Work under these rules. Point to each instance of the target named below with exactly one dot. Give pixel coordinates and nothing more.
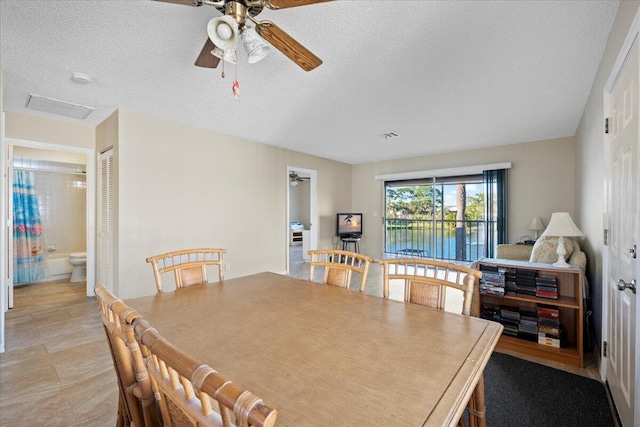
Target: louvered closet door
(105, 221)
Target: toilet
(79, 262)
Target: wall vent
(55, 106)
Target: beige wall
(41, 129)
(590, 164)
(541, 181)
(183, 187)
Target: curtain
(28, 258)
(496, 209)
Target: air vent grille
(55, 106)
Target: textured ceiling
(445, 75)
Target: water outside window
(444, 218)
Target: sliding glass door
(447, 218)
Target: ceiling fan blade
(184, 2)
(283, 4)
(288, 45)
(206, 59)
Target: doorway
(57, 161)
(301, 229)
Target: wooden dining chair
(425, 283)
(338, 266)
(189, 266)
(187, 390)
(137, 406)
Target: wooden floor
(57, 369)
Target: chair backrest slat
(426, 281)
(189, 266)
(137, 404)
(338, 266)
(185, 388)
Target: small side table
(346, 241)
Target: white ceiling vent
(54, 106)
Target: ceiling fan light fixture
(226, 55)
(223, 32)
(254, 45)
(294, 183)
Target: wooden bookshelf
(569, 303)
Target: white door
(621, 249)
(105, 220)
(9, 213)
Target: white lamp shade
(561, 224)
(536, 224)
(254, 45)
(224, 37)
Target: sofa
(544, 251)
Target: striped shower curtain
(28, 258)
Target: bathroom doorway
(64, 181)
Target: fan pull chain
(223, 74)
(235, 89)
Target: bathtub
(57, 267)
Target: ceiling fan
(294, 178)
(245, 10)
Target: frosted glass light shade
(227, 55)
(223, 32)
(254, 45)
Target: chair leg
(121, 421)
(476, 406)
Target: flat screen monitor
(349, 225)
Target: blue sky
(450, 193)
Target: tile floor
(57, 369)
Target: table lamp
(561, 225)
(536, 225)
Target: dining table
(327, 356)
